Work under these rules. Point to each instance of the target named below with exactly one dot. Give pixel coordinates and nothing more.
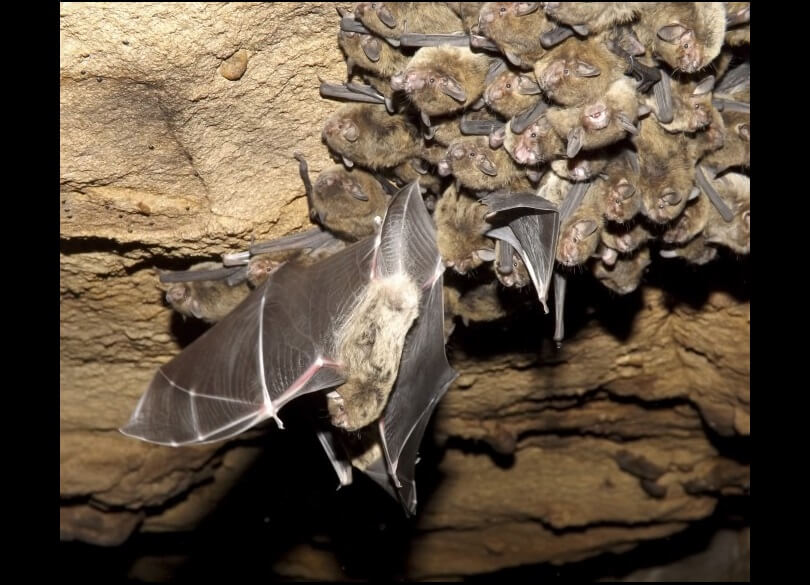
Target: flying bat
(365, 323)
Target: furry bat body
(584, 166)
(738, 23)
(511, 93)
(460, 231)
(476, 166)
(577, 73)
(479, 304)
(600, 123)
(695, 251)
(687, 36)
(625, 275)
(691, 106)
(735, 189)
(443, 80)
(625, 240)
(618, 189)
(209, 300)
(593, 17)
(515, 27)
(535, 145)
(349, 322)
(371, 54)
(580, 232)
(391, 20)
(369, 136)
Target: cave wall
(178, 124)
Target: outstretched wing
(275, 346)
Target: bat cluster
(516, 140)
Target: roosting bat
(461, 226)
(593, 17)
(203, 291)
(625, 275)
(366, 321)
(515, 27)
(476, 166)
(391, 20)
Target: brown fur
(460, 230)
(467, 12)
(580, 233)
(597, 16)
(406, 173)
(690, 223)
(741, 34)
(432, 68)
(626, 274)
(466, 157)
(709, 139)
(538, 143)
(736, 150)
(619, 191)
(695, 251)
(735, 189)
(381, 141)
(503, 95)
(412, 17)
(598, 121)
(478, 304)
(390, 60)
(208, 300)
(564, 73)
(339, 210)
(583, 167)
(519, 277)
(704, 24)
(369, 347)
(691, 112)
(516, 36)
(667, 174)
(625, 239)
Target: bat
(370, 53)
(391, 20)
(625, 239)
(600, 123)
(355, 131)
(690, 223)
(738, 23)
(626, 274)
(203, 292)
(478, 304)
(509, 268)
(535, 145)
(443, 80)
(510, 93)
(687, 36)
(476, 166)
(580, 230)
(460, 231)
(617, 188)
(691, 109)
(345, 202)
(577, 73)
(593, 17)
(515, 27)
(695, 251)
(735, 234)
(584, 166)
(366, 321)
(530, 226)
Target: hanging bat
(580, 231)
(203, 291)
(536, 145)
(735, 234)
(460, 231)
(690, 223)
(625, 239)
(356, 131)
(476, 166)
(626, 274)
(509, 268)
(687, 36)
(443, 80)
(617, 188)
(370, 53)
(366, 321)
(593, 17)
(691, 106)
(515, 27)
(696, 251)
(530, 225)
(479, 304)
(577, 73)
(345, 202)
(391, 20)
(510, 93)
(600, 123)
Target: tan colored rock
(178, 123)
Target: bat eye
(697, 106)
(534, 134)
(502, 10)
(472, 155)
(432, 80)
(508, 86)
(566, 72)
(374, 6)
(686, 45)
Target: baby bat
(735, 189)
(460, 231)
(691, 106)
(695, 251)
(600, 123)
(515, 27)
(617, 188)
(210, 299)
(580, 232)
(593, 17)
(369, 136)
(687, 36)
(371, 54)
(535, 145)
(390, 20)
(347, 322)
(667, 175)
(625, 240)
(443, 80)
(476, 166)
(342, 201)
(625, 275)
(577, 73)
(511, 93)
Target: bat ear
(497, 137)
(350, 132)
(625, 191)
(452, 88)
(486, 254)
(357, 192)
(671, 198)
(574, 142)
(705, 86)
(385, 16)
(444, 168)
(483, 164)
(746, 217)
(694, 193)
(643, 110)
(371, 47)
(527, 86)
(745, 132)
(671, 32)
(524, 8)
(585, 69)
(632, 45)
(585, 227)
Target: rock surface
(178, 124)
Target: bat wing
(713, 195)
(272, 348)
(434, 40)
(663, 98)
(352, 92)
(559, 307)
(424, 377)
(528, 117)
(342, 467)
